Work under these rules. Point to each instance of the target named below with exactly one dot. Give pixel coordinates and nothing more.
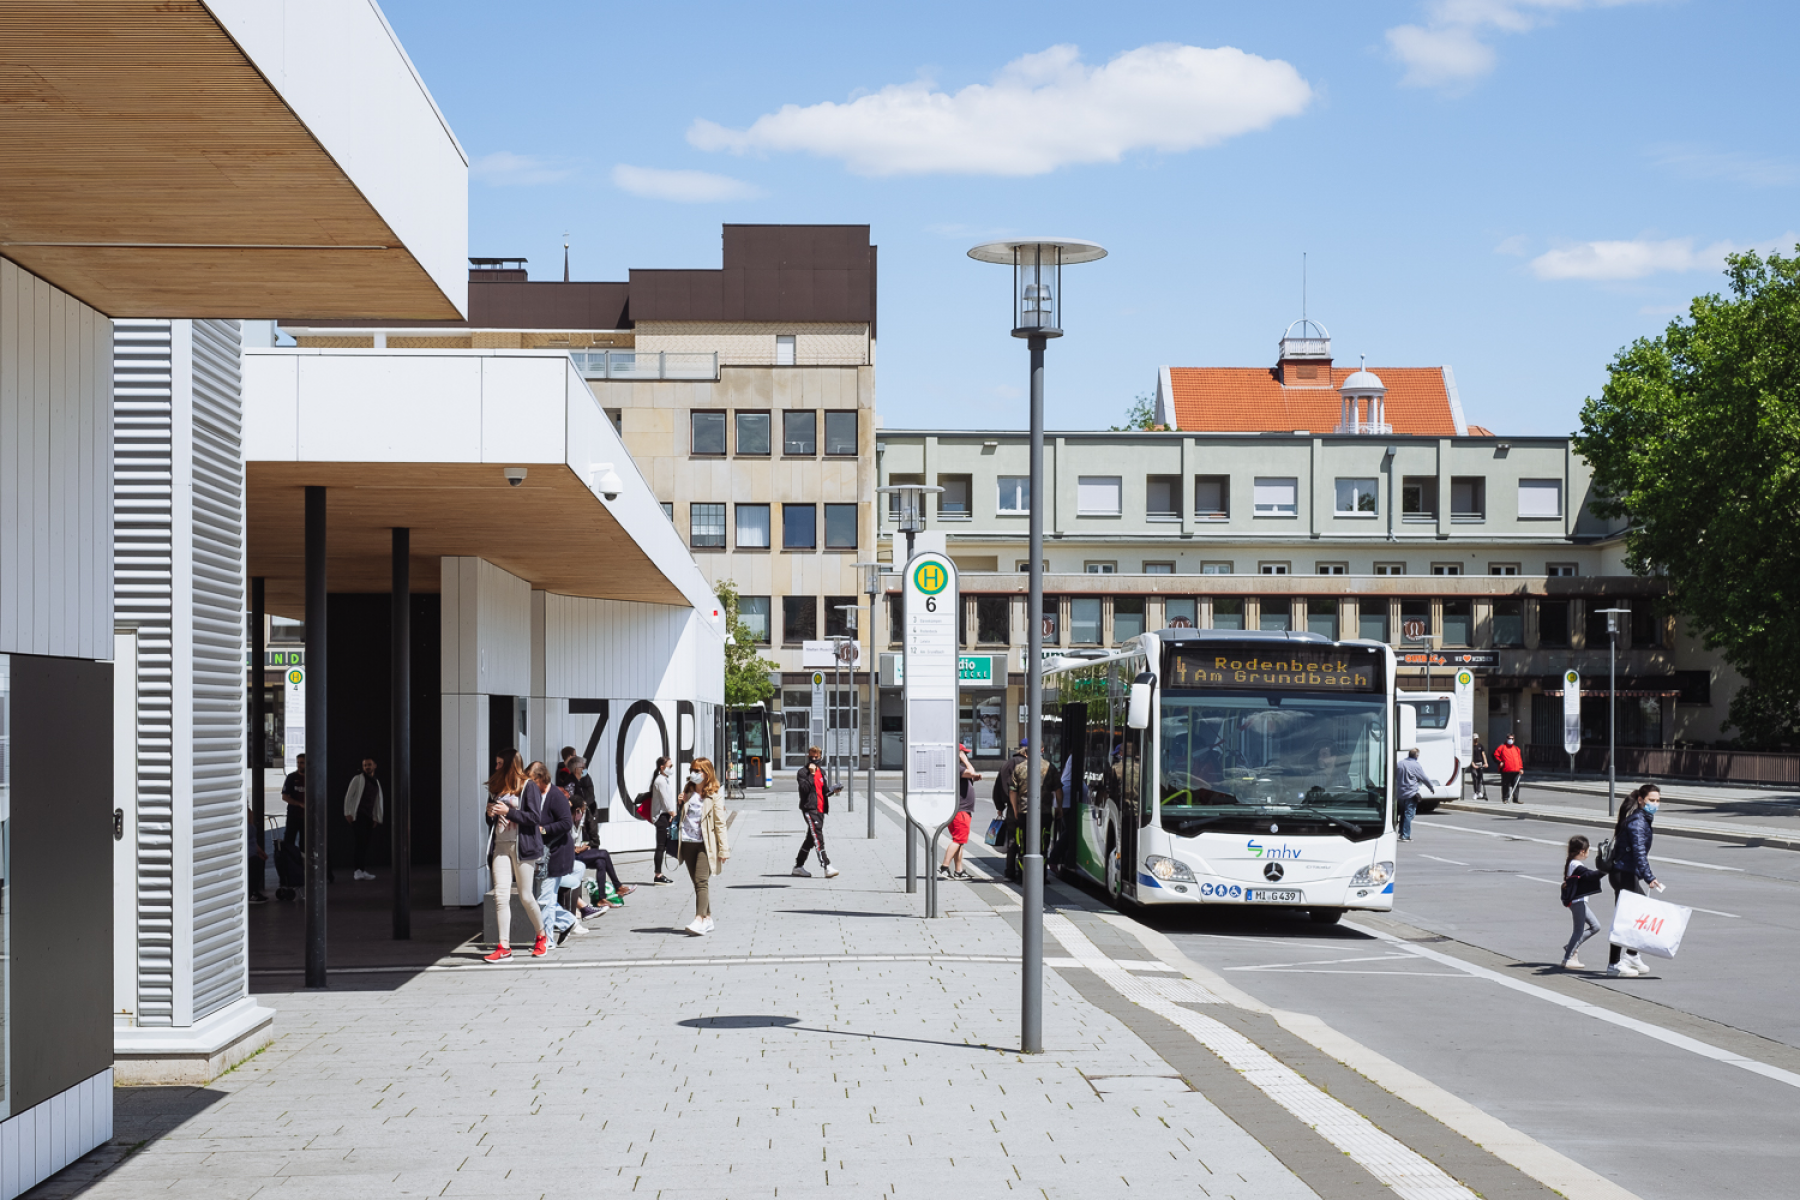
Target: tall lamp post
(909, 518)
(1037, 265)
(871, 588)
(1612, 705)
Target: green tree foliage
(1141, 414)
(1696, 441)
(746, 672)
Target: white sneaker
(801, 873)
(696, 927)
(359, 873)
(1572, 963)
(709, 924)
(1638, 965)
(577, 927)
(831, 872)
(1622, 969)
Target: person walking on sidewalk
(1409, 781)
(1630, 866)
(1478, 768)
(1579, 882)
(1512, 766)
(556, 824)
(960, 820)
(815, 802)
(701, 843)
(662, 809)
(514, 846)
(362, 808)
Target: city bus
(1436, 740)
(1221, 767)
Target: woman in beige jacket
(700, 838)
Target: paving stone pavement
(634, 1061)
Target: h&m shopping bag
(1653, 926)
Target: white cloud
(684, 187)
(1697, 162)
(1448, 52)
(1041, 112)
(1515, 246)
(1617, 260)
(503, 168)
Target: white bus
(1231, 768)
(1435, 713)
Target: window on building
(993, 620)
(1276, 496)
(799, 433)
(1509, 622)
(953, 501)
(1459, 623)
(799, 527)
(709, 433)
(1097, 495)
(1162, 497)
(893, 498)
(1446, 568)
(1390, 568)
(896, 608)
(1336, 568)
(1274, 614)
(1050, 632)
(752, 527)
(1212, 497)
(840, 433)
(1646, 623)
(1356, 497)
(1468, 498)
(1372, 618)
(1100, 568)
(1418, 497)
(1272, 568)
(1415, 619)
(799, 619)
(1228, 612)
(837, 616)
(617, 417)
(1084, 620)
(1159, 568)
(1503, 568)
(1215, 568)
(1181, 612)
(784, 349)
(1015, 494)
(706, 526)
(1128, 618)
(1540, 499)
(840, 526)
(753, 611)
(1322, 617)
(1553, 623)
(1561, 570)
(668, 510)
(1024, 564)
(753, 433)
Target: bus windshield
(1238, 761)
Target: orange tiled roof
(1252, 400)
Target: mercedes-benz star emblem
(1272, 872)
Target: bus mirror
(1138, 715)
(1409, 729)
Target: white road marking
(1408, 1173)
(1679, 1040)
(1321, 962)
(1339, 971)
(1519, 837)
(1540, 879)
(1451, 861)
(1715, 912)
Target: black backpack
(1603, 855)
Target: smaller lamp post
(1612, 705)
(872, 588)
(910, 520)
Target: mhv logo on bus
(1258, 850)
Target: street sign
(1465, 715)
(971, 669)
(820, 653)
(931, 683)
(1415, 629)
(1571, 711)
(816, 731)
(1475, 660)
(293, 725)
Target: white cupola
(1364, 403)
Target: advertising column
(930, 696)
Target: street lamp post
(1612, 705)
(910, 520)
(871, 587)
(1037, 265)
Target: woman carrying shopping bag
(1628, 868)
(700, 841)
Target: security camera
(515, 475)
(606, 481)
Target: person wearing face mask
(815, 802)
(1512, 769)
(1630, 866)
(700, 840)
(662, 811)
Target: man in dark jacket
(815, 802)
(556, 825)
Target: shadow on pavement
(141, 1115)
(359, 933)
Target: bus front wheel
(1326, 916)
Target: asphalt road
(1462, 986)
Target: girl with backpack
(1579, 882)
(1628, 866)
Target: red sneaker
(541, 947)
(500, 954)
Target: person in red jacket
(815, 802)
(1512, 766)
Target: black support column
(258, 745)
(318, 832)
(400, 687)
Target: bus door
(1069, 753)
(1130, 773)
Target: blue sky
(1516, 188)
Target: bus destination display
(1261, 669)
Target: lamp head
(1037, 265)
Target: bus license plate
(1275, 896)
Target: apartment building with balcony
(1349, 503)
(744, 393)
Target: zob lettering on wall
(621, 740)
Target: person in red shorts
(959, 822)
